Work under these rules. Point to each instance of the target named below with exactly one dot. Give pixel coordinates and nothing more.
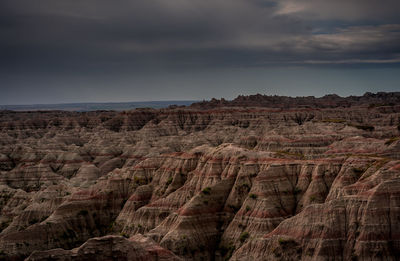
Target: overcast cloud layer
(77, 42)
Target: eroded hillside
(228, 183)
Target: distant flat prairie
(114, 106)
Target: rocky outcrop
(380, 99)
(358, 224)
(195, 184)
(136, 248)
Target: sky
(60, 51)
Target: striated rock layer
(200, 183)
(136, 248)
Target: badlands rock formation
(216, 181)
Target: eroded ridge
(221, 183)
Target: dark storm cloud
(102, 50)
(90, 35)
(345, 10)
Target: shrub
(358, 171)
(227, 251)
(246, 186)
(245, 235)
(391, 140)
(169, 181)
(300, 118)
(139, 180)
(297, 190)
(234, 208)
(124, 234)
(111, 226)
(365, 127)
(285, 242)
(206, 191)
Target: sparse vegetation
(285, 242)
(300, 118)
(169, 181)
(253, 196)
(227, 251)
(111, 226)
(139, 180)
(297, 191)
(244, 236)
(234, 208)
(391, 140)
(363, 127)
(206, 191)
(124, 234)
(358, 171)
(246, 186)
(213, 192)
